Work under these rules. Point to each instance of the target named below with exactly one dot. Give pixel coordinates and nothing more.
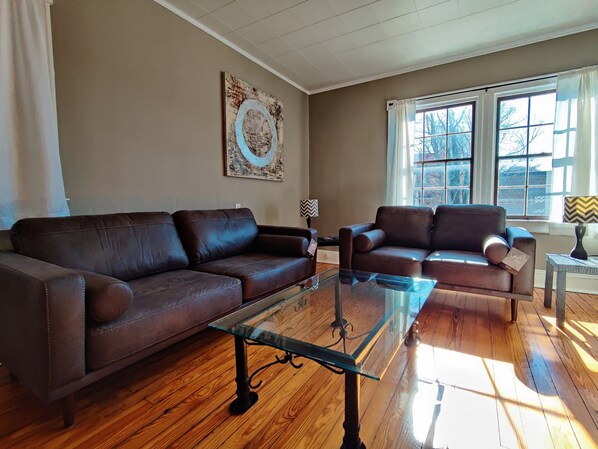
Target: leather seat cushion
(397, 260)
(164, 305)
(261, 274)
(466, 268)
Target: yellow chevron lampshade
(581, 209)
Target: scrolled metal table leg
(413, 336)
(245, 397)
(351, 439)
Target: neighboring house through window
(488, 146)
(525, 128)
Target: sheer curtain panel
(575, 150)
(31, 181)
(401, 128)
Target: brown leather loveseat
(462, 247)
(84, 296)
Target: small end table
(563, 264)
(329, 240)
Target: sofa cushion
(106, 298)
(495, 249)
(400, 261)
(405, 225)
(466, 268)
(284, 245)
(465, 227)
(214, 234)
(369, 240)
(164, 305)
(123, 246)
(261, 274)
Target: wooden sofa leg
(68, 410)
(514, 304)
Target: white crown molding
(228, 43)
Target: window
(489, 146)
(443, 155)
(525, 125)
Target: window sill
(533, 226)
(543, 227)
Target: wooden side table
(563, 264)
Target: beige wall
(140, 114)
(348, 126)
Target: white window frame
(484, 151)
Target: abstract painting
(253, 132)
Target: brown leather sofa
(461, 247)
(85, 296)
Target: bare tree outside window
(442, 155)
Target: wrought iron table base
(413, 336)
(246, 398)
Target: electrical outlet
(237, 205)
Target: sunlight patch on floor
(461, 397)
(574, 332)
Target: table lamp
(309, 209)
(580, 210)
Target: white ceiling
(319, 45)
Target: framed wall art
(253, 132)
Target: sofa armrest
(283, 245)
(346, 236)
(523, 240)
(308, 233)
(42, 323)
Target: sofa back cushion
(465, 227)
(215, 234)
(405, 225)
(123, 246)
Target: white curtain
(401, 128)
(30, 173)
(575, 150)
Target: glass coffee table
(350, 322)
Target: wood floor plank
(476, 380)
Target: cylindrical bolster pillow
(284, 245)
(106, 298)
(495, 249)
(369, 240)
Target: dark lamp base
(579, 252)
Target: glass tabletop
(352, 320)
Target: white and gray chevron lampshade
(309, 208)
(581, 209)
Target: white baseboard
(575, 282)
(328, 257)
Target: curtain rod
(391, 103)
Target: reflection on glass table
(350, 322)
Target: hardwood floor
(476, 381)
